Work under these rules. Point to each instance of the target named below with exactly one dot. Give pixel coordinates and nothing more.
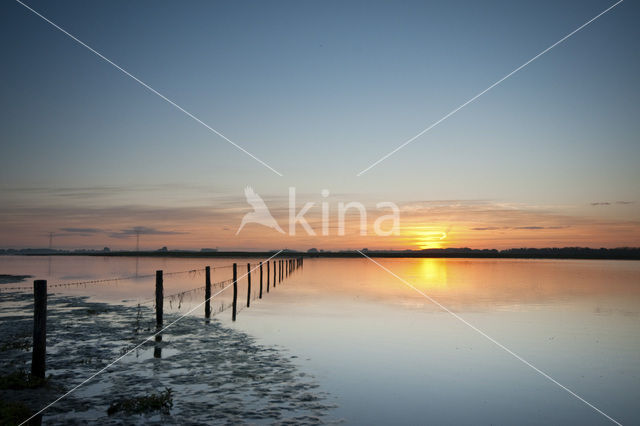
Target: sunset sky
(319, 91)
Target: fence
(282, 268)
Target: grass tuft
(13, 413)
(16, 343)
(21, 380)
(162, 401)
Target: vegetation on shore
(622, 253)
(13, 413)
(162, 402)
(20, 379)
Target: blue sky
(320, 90)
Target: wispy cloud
(473, 223)
(608, 203)
(540, 227)
(82, 230)
(143, 230)
(531, 227)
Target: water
(386, 354)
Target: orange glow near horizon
(416, 232)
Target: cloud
(203, 220)
(540, 227)
(142, 230)
(608, 203)
(82, 230)
(532, 227)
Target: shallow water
(386, 354)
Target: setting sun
(428, 237)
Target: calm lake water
(387, 355)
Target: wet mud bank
(217, 375)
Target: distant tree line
(626, 253)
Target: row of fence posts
(281, 270)
(38, 355)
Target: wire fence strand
(115, 279)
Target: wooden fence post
(39, 354)
(159, 299)
(248, 284)
(235, 292)
(274, 274)
(268, 275)
(260, 295)
(207, 292)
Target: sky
(319, 91)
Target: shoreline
(546, 253)
(217, 373)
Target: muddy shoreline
(217, 375)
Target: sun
(429, 237)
